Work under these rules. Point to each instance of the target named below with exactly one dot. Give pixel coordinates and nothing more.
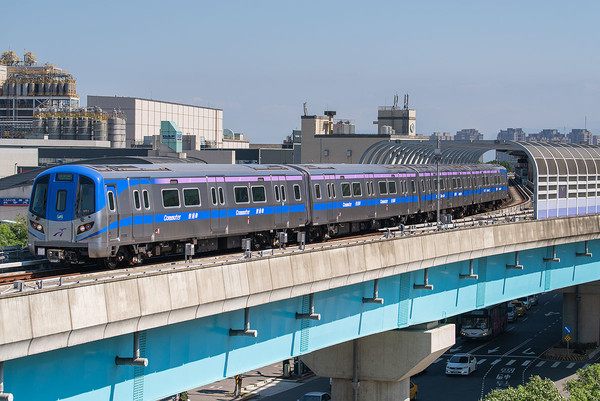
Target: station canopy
(565, 178)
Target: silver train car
(125, 213)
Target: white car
(315, 396)
(461, 364)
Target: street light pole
(438, 157)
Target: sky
(465, 64)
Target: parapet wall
(48, 319)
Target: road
(507, 360)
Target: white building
(201, 127)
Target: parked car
(533, 299)
(520, 307)
(413, 391)
(315, 396)
(527, 302)
(511, 312)
(461, 364)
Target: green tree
(536, 389)
(586, 386)
(14, 233)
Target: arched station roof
(565, 177)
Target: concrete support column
(581, 311)
(379, 367)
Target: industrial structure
(28, 86)
(79, 123)
(201, 127)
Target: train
(121, 214)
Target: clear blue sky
(466, 64)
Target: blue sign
(567, 329)
(14, 201)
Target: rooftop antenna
(395, 101)
(406, 102)
(305, 111)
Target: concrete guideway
(55, 318)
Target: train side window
(392, 187)
(213, 196)
(170, 198)
(191, 197)
(61, 200)
(382, 188)
(258, 194)
(136, 199)
(241, 195)
(318, 191)
(422, 185)
(356, 189)
(283, 197)
(276, 191)
(413, 187)
(372, 188)
(221, 196)
(454, 186)
(329, 191)
(333, 189)
(345, 189)
(442, 185)
(146, 199)
(297, 192)
(111, 200)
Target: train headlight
(85, 227)
(37, 226)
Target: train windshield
(39, 196)
(86, 197)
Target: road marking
(528, 352)
(540, 364)
(527, 362)
(437, 360)
(525, 318)
(555, 364)
(511, 362)
(546, 303)
(477, 348)
(496, 361)
(481, 361)
(569, 366)
(510, 328)
(457, 348)
(586, 365)
(491, 351)
(518, 346)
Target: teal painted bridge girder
(186, 355)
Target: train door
(218, 210)
(280, 201)
(330, 195)
(371, 204)
(113, 213)
(61, 211)
(142, 221)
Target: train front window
(39, 197)
(86, 197)
(61, 200)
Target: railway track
(31, 279)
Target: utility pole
(438, 158)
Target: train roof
(195, 169)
